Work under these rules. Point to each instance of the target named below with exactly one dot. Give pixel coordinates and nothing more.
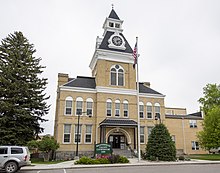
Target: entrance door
(117, 141)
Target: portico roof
(118, 122)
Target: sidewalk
(133, 162)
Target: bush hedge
(111, 160)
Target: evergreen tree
(22, 98)
(160, 145)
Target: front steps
(126, 153)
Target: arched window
(157, 110)
(109, 107)
(68, 106)
(117, 108)
(149, 110)
(79, 105)
(125, 106)
(141, 109)
(89, 106)
(117, 75)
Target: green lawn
(41, 161)
(205, 156)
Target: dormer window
(111, 24)
(117, 75)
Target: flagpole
(137, 83)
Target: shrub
(103, 161)
(181, 158)
(152, 158)
(123, 159)
(114, 158)
(84, 160)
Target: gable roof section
(145, 89)
(113, 15)
(104, 44)
(82, 82)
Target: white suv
(12, 158)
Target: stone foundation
(69, 155)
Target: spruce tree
(160, 145)
(22, 97)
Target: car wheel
(11, 167)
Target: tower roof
(113, 15)
(104, 43)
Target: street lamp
(79, 113)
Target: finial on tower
(112, 6)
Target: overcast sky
(179, 41)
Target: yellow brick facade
(100, 89)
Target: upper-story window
(68, 105)
(79, 105)
(192, 123)
(157, 110)
(141, 110)
(125, 106)
(117, 75)
(117, 25)
(111, 24)
(117, 108)
(149, 111)
(89, 106)
(109, 107)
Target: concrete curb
(142, 163)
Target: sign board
(103, 148)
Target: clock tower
(112, 62)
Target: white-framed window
(149, 110)
(68, 105)
(80, 132)
(142, 136)
(88, 134)
(141, 110)
(149, 129)
(79, 105)
(173, 138)
(67, 133)
(195, 145)
(109, 107)
(89, 106)
(192, 123)
(157, 110)
(125, 106)
(117, 75)
(117, 108)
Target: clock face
(117, 41)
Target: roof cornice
(111, 56)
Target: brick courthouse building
(109, 102)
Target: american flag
(135, 55)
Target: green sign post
(103, 149)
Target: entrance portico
(120, 133)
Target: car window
(16, 151)
(3, 150)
